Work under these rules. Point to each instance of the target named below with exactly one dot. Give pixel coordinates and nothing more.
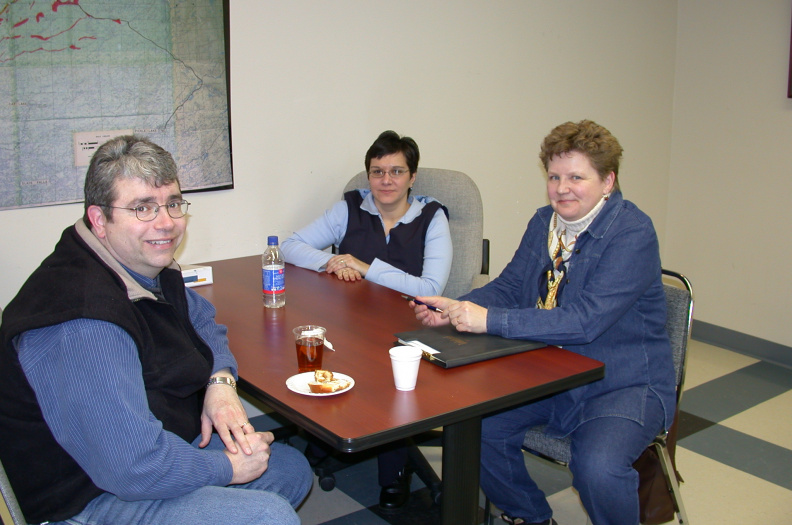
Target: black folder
(459, 348)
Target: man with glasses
(113, 375)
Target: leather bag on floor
(657, 506)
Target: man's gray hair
(126, 156)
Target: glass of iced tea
(310, 347)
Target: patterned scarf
(561, 239)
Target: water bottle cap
(272, 239)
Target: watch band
(222, 381)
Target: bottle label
(272, 278)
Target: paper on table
(418, 344)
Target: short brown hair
(589, 138)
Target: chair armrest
(485, 254)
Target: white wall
(477, 84)
(729, 212)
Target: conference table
(361, 319)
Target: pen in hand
(416, 301)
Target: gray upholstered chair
(10, 513)
(457, 192)
(679, 306)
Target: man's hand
(248, 467)
(223, 410)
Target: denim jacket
(612, 309)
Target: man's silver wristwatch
(221, 380)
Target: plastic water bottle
(272, 275)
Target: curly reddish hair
(589, 138)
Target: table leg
(461, 453)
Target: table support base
(461, 457)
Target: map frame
(177, 92)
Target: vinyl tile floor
(734, 453)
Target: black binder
(459, 348)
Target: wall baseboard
(742, 343)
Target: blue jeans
(603, 451)
(269, 500)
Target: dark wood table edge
(461, 440)
(423, 425)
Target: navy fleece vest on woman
(73, 283)
(365, 236)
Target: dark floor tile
(743, 452)
(356, 474)
(740, 390)
(360, 517)
(780, 376)
(359, 481)
(419, 510)
(690, 424)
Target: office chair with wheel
(469, 269)
(679, 317)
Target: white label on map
(86, 142)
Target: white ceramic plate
(299, 383)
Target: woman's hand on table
(430, 317)
(462, 315)
(467, 317)
(347, 267)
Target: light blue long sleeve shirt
(89, 384)
(305, 248)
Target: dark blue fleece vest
(365, 236)
(73, 283)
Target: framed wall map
(789, 82)
(74, 73)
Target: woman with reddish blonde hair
(587, 277)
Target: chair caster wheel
(327, 482)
